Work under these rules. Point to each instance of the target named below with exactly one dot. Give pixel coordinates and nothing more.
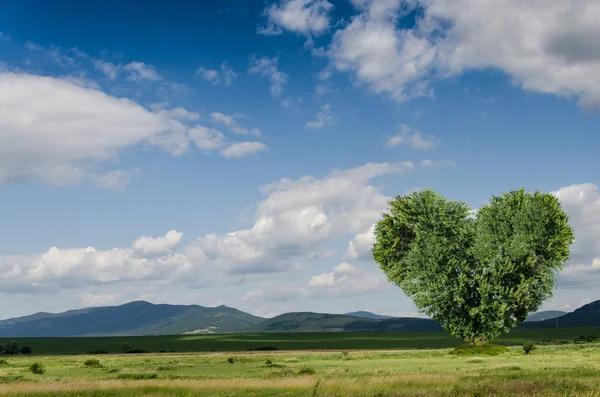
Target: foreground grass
(285, 341)
(569, 370)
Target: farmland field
(561, 370)
(284, 341)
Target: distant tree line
(13, 348)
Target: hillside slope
(586, 316)
(321, 322)
(134, 318)
(364, 314)
(545, 315)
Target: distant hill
(546, 315)
(321, 322)
(134, 318)
(586, 316)
(363, 314)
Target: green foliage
(25, 350)
(37, 368)
(478, 276)
(306, 371)
(268, 362)
(3, 363)
(230, 360)
(125, 347)
(132, 376)
(10, 348)
(479, 350)
(92, 362)
(528, 347)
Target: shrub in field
(137, 376)
(125, 347)
(25, 350)
(528, 347)
(3, 363)
(268, 362)
(231, 360)
(266, 348)
(37, 368)
(479, 350)
(137, 351)
(306, 371)
(92, 362)
(477, 274)
(9, 348)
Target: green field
(565, 370)
(285, 341)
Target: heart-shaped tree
(477, 274)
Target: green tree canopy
(477, 274)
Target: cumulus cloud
(298, 216)
(243, 149)
(209, 75)
(306, 17)
(412, 139)
(72, 268)
(114, 180)
(359, 248)
(108, 68)
(582, 204)
(343, 281)
(214, 76)
(59, 140)
(207, 138)
(234, 126)
(140, 71)
(548, 48)
(324, 119)
(267, 68)
(149, 247)
(435, 163)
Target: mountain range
(144, 318)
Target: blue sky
(232, 152)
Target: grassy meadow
(284, 341)
(557, 370)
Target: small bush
(92, 362)
(3, 363)
(37, 368)
(479, 350)
(268, 362)
(306, 371)
(98, 352)
(231, 360)
(10, 348)
(137, 376)
(125, 347)
(25, 350)
(528, 347)
(345, 356)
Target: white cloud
(108, 68)
(209, 75)
(76, 268)
(141, 71)
(361, 245)
(114, 180)
(234, 126)
(582, 204)
(544, 46)
(306, 17)
(53, 54)
(214, 76)
(435, 163)
(321, 89)
(228, 74)
(55, 130)
(31, 46)
(412, 139)
(267, 67)
(324, 119)
(149, 247)
(347, 280)
(243, 149)
(207, 138)
(297, 217)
